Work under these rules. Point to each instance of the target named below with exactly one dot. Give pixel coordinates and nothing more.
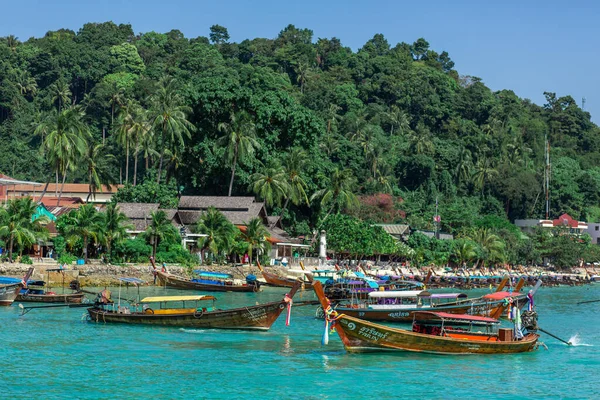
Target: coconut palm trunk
(44, 191)
(10, 247)
(85, 248)
(135, 162)
(62, 186)
(127, 162)
(233, 170)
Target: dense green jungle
(329, 137)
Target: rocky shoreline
(98, 274)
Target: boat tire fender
(198, 313)
(149, 311)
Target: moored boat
(401, 306)
(206, 285)
(10, 287)
(438, 333)
(276, 280)
(192, 314)
(38, 291)
(206, 281)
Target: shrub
(26, 259)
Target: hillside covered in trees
(305, 123)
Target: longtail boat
(401, 306)
(192, 314)
(10, 287)
(35, 292)
(206, 281)
(438, 333)
(276, 280)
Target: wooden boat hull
(276, 280)
(179, 282)
(259, 317)
(362, 336)
(8, 293)
(75, 298)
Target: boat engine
(529, 320)
(251, 280)
(75, 285)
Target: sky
(528, 46)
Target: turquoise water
(55, 354)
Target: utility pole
(547, 175)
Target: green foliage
(67, 259)
(209, 113)
(25, 259)
(149, 192)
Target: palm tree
(270, 184)
(114, 226)
(239, 140)
(17, 224)
(397, 118)
(294, 164)
(169, 118)
(61, 94)
(25, 82)
(98, 167)
(219, 232)
(117, 97)
(159, 229)
(302, 71)
(463, 166)
(464, 251)
(483, 171)
(491, 245)
(65, 141)
(133, 126)
(85, 223)
(12, 42)
(420, 141)
(332, 116)
(338, 194)
(255, 236)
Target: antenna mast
(547, 175)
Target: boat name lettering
(399, 314)
(371, 333)
(255, 315)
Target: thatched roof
(238, 210)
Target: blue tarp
(216, 275)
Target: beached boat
(276, 280)
(37, 292)
(191, 314)
(10, 287)
(207, 282)
(433, 332)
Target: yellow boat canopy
(161, 299)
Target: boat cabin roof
(400, 294)
(424, 316)
(162, 299)
(501, 295)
